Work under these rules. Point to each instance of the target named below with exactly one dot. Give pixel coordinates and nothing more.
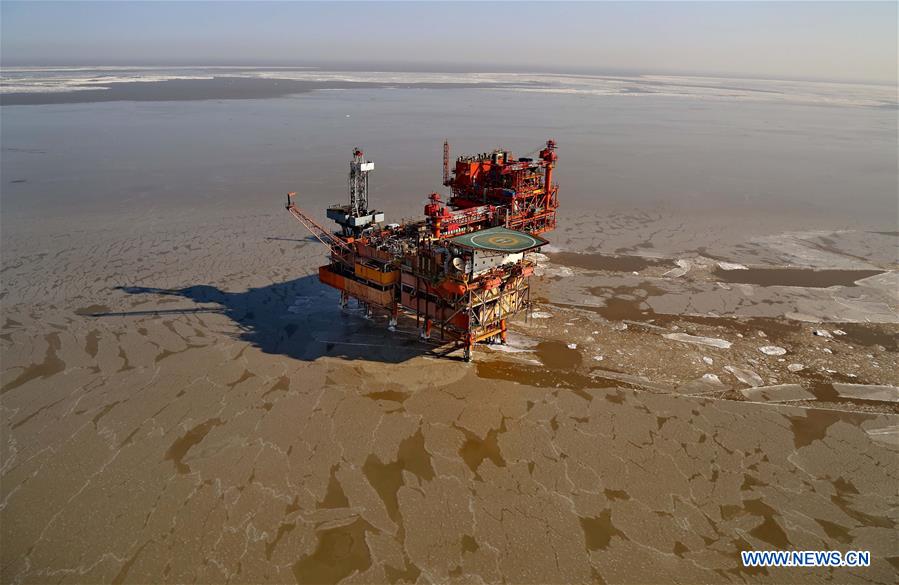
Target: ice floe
(748, 377)
(871, 392)
(731, 266)
(687, 338)
(683, 267)
(772, 350)
(778, 393)
(888, 434)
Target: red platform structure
(464, 269)
(522, 187)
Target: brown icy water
(182, 401)
(213, 432)
(794, 277)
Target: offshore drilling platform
(463, 270)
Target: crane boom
(321, 234)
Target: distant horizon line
(443, 67)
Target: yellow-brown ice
(190, 406)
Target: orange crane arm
(321, 234)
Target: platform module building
(463, 270)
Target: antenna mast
(446, 179)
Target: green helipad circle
(503, 241)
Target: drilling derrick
(461, 272)
(356, 217)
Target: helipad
(499, 239)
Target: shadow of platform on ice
(299, 318)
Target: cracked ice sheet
(871, 301)
(168, 448)
(566, 488)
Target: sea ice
(868, 392)
(746, 376)
(772, 350)
(683, 267)
(779, 393)
(889, 434)
(687, 338)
